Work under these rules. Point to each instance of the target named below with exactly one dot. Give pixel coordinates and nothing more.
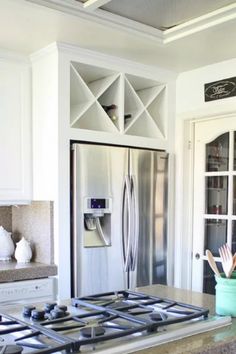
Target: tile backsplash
(6, 218)
(35, 223)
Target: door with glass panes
(214, 193)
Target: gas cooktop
(124, 321)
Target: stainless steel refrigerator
(119, 217)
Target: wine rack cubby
(109, 101)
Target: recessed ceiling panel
(163, 14)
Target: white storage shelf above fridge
(105, 100)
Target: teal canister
(226, 295)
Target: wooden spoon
(212, 263)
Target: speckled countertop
(218, 341)
(12, 271)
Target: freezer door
(98, 264)
(148, 175)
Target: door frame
(184, 235)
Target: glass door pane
(217, 195)
(215, 235)
(217, 154)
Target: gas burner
(90, 332)
(11, 349)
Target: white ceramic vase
(6, 245)
(23, 252)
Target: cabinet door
(214, 217)
(15, 147)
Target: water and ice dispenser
(97, 222)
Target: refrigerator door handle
(126, 224)
(135, 212)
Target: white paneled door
(214, 196)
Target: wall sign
(220, 89)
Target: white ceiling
(27, 27)
(163, 14)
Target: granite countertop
(13, 271)
(222, 340)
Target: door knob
(197, 255)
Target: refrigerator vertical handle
(135, 212)
(126, 223)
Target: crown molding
(94, 4)
(83, 54)
(200, 23)
(103, 17)
(13, 57)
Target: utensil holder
(226, 295)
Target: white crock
(6, 245)
(23, 252)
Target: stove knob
(27, 310)
(60, 307)
(49, 306)
(57, 313)
(38, 314)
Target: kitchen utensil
(234, 261)
(212, 263)
(226, 260)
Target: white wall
(190, 90)
(190, 106)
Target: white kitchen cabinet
(28, 291)
(15, 146)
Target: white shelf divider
(147, 95)
(132, 103)
(81, 108)
(109, 97)
(157, 109)
(80, 96)
(101, 85)
(95, 119)
(145, 126)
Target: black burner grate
(98, 318)
(10, 325)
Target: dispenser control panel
(97, 204)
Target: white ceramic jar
(23, 252)
(6, 245)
